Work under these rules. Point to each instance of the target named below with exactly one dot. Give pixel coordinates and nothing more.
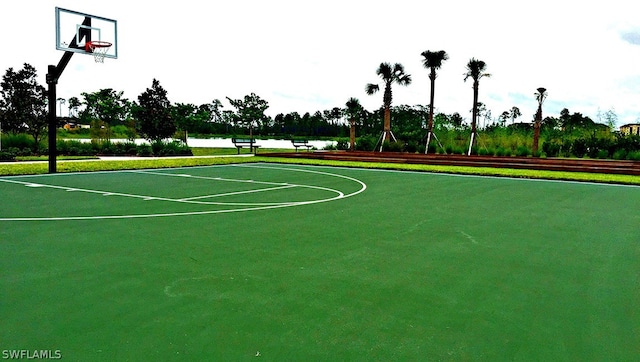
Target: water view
(227, 143)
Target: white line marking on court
(251, 206)
(285, 185)
(471, 238)
(363, 185)
(236, 193)
(207, 178)
(148, 198)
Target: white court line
(254, 182)
(244, 206)
(186, 201)
(103, 193)
(237, 193)
(362, 184)
(209, 178)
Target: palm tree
(515, 113)
(61, 101)
(475, 70)
(504, 116)
(74, 104)
(353, 112)
(541, 95)
(432, 61)
(389, 74)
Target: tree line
(23, 109)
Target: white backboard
(74, 29)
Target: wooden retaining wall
(554, 164)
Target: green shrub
(144, 150)
(342, 144)
(166, 150)
(628, 143)
(122, 148)
(449, 149)
(603, 154)
(620, 154)
(129, 148)
(634, 156)
(21, 141)
(392, 146)
(551, 149)
(108, 148)
(459, 151)
(62, 147)
(412, 147)
(75, 148)
(157, 147)
(579, 147)
(502, 152)
(365, 143)
(8, 155)
(523, 151)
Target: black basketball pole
(53, 74)
(52, 120)
(52, 80)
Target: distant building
(70, 126)
(630, 129)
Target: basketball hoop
(98, 49)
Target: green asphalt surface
(290, 262)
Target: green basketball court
(288, 262)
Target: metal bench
(301, 143)
(249, 143)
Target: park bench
(301, 143)
(245, 143)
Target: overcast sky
(306, 56)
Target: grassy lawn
(211, 151)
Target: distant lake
(226, 143)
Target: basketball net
(99, 49)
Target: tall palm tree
(432, 61)
(541, 95)
(389, 74)
(353, 112)
(515, 113)
(475, 70)
(61, 101)
(74, 104)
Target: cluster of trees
(24, 108)
(23, 103)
